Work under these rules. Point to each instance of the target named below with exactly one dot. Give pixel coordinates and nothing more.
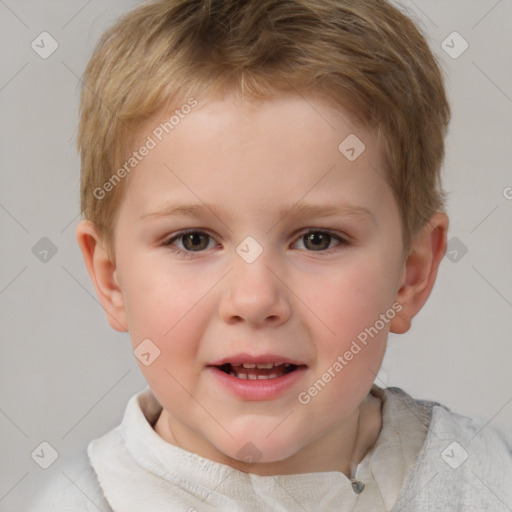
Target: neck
(353, 439)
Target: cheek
(172, 321)
(350, 304)
(353, 298)
(166, 308)
(159, 300)
(349, 360)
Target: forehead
(262, 153)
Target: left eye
(318, 240)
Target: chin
(258, 449)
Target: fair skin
(302, 299)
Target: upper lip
(237, 359)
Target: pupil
(193, 240)
(318, 240)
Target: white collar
(140, 471)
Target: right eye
(190, 241)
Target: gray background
(66, 376)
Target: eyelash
(189, 254)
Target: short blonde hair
(364, 55)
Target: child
(262, 201)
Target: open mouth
(260, 377)
(257, 371)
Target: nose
(254, 294)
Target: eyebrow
(328, 210)
(302, 210)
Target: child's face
(303, 299)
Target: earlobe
(102, 272)
(420, 271)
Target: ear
(102, 272)
(420, 271)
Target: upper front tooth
(249, 365)
(264, 365)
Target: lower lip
(258, 389)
